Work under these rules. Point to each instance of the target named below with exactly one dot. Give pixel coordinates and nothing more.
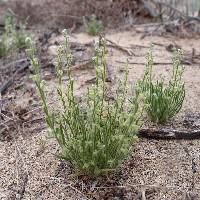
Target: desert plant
(93, 26)
(3, 46)
(163, 101)
(12, 37)
(19, 36)
(5, 40)
(96, 133)
(9, 21)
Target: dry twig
(169, 134)
(10, 81)
(117, 46)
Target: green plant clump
(163, 101)
(5, 39)
(3, 46)
(12, 37)
(93, 26)
(19, 36)
(95, 134)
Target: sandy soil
(170, 170)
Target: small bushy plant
(4, 39)
(163, 101)
(3, 46)
(12, 37)
(19, 36)
(93, 26)
(95, 134)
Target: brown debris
(169, 134)
(10, 81)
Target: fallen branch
(21, 191)
(82, 66)
(145, 186)
(63, 181)
(143, 63)
(13, 63)
(108, 74)
(172, 12)
(6, 85)
(168, 134)
(115, 45)
(10, 81)
(184, 62)
(181, 14)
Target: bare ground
(29, 168)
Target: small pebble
(18, 196)
(47, 76)
(11, 161)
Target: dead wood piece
(17, 62)
(168, 134)
(91, 80)
(152, 10)
(3, 130)
(5, 101)
(139, 46)
(152, 32)
(78, 47)
(108, 74)
(143, 63)
(129, 52)
(115, 45)
(21, 191)
(6, 85)
(10, 81)
(2, 25)
(183, 61)
(171, 47)
(175, 10)
(186, 62)
(190, 18)
(143, 195)
(82, 66)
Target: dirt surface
(155, 169)
(29, 167)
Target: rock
(11, 161)
(52, 50)
(47, 76)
